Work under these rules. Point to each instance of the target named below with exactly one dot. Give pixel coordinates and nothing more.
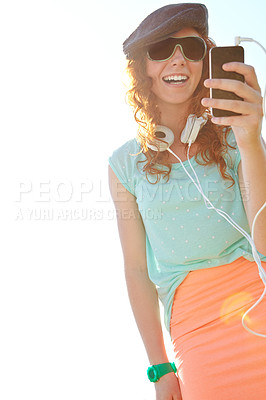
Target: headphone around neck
(188, 135)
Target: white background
(67, 331)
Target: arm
(142, 292)
(140, 288)
(247, 130)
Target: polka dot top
(182, 234)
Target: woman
(173, 245)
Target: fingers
(239, 88)
(251, 113)
(249, 91)
(247, 70)
(231, 121)
(238, 106)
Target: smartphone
(218, 57)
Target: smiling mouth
(175, 79)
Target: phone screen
(218, 57)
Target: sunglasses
(193, 48)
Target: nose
(177, 57)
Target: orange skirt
(216, 358)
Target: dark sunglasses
(193, 48)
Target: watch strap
(155, 372)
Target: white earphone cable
(255, 254)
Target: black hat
(165, 21)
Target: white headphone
(188, 135)
(164, 133)
(192, 128)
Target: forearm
(253, 171)
(144, 302)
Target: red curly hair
(212, 139)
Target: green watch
(155, 372)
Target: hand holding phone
(218, 57)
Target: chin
(177, 101)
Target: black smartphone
(218, 57)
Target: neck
(174, 116)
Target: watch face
(152, 374)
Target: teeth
(175, 78)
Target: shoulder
(127, 155)
(129, 148)
(123, 162)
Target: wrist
(155, 372)
(157, 353)
(254, 154)
(158, 360)
(166, 380)
(253, 145)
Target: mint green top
(182, 235)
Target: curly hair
(212, 139)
